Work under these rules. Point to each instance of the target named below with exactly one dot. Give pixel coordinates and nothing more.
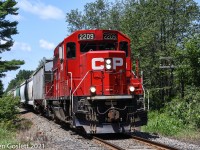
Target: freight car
(89, 84)
(32, 91)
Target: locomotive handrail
(142, 82)
(71, 75)
(134, 73)
(144, 96)
(72, 97)
(80, 82)
(142, 85)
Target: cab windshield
(88, 46)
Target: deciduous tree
(157, 28)
(20, 77)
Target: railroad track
(120, 142)
(153, 144)
(131, 143)
(106, 144)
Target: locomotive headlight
(92, 89)
(131, 88)
(108, 67)
(108, 64)
(108, 61)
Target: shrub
(8, 108)
(8, 113)
(188, 108)
(163, 124)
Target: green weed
(163, 124)
(6, 138)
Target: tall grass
(8, 115)
(163, 124)
(7, 137)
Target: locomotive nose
(113, 63)
(108, 72)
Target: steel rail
(107, 144)
(157, 145)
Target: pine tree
(7, 29)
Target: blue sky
(41, 27)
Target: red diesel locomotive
(91, 84)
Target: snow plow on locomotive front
(95, 85)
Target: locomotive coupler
(113, 115)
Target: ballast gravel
(45, 134)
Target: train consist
(89, 84)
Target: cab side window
(71, 50)
(124, 47)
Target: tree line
(165, 37)
(160, 31)
(164, 32)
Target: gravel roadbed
(45, 134)
(169, 141)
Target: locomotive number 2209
(86, 36)
(109, 36)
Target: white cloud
(46, 45)
(42, 10)
(21, 46)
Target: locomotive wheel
(55, 119)
(137, 129)
(41, 111)
(36, 109)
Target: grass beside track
(163, 124)
(9, 132)
(7, 137)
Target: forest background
(165, 38)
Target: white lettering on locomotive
(94, 66)
(116, 62)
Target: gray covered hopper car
(23, 93)
(41, 77)
(32, 91)
(29, 91)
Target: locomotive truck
(89, 84)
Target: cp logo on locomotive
(98, 66)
